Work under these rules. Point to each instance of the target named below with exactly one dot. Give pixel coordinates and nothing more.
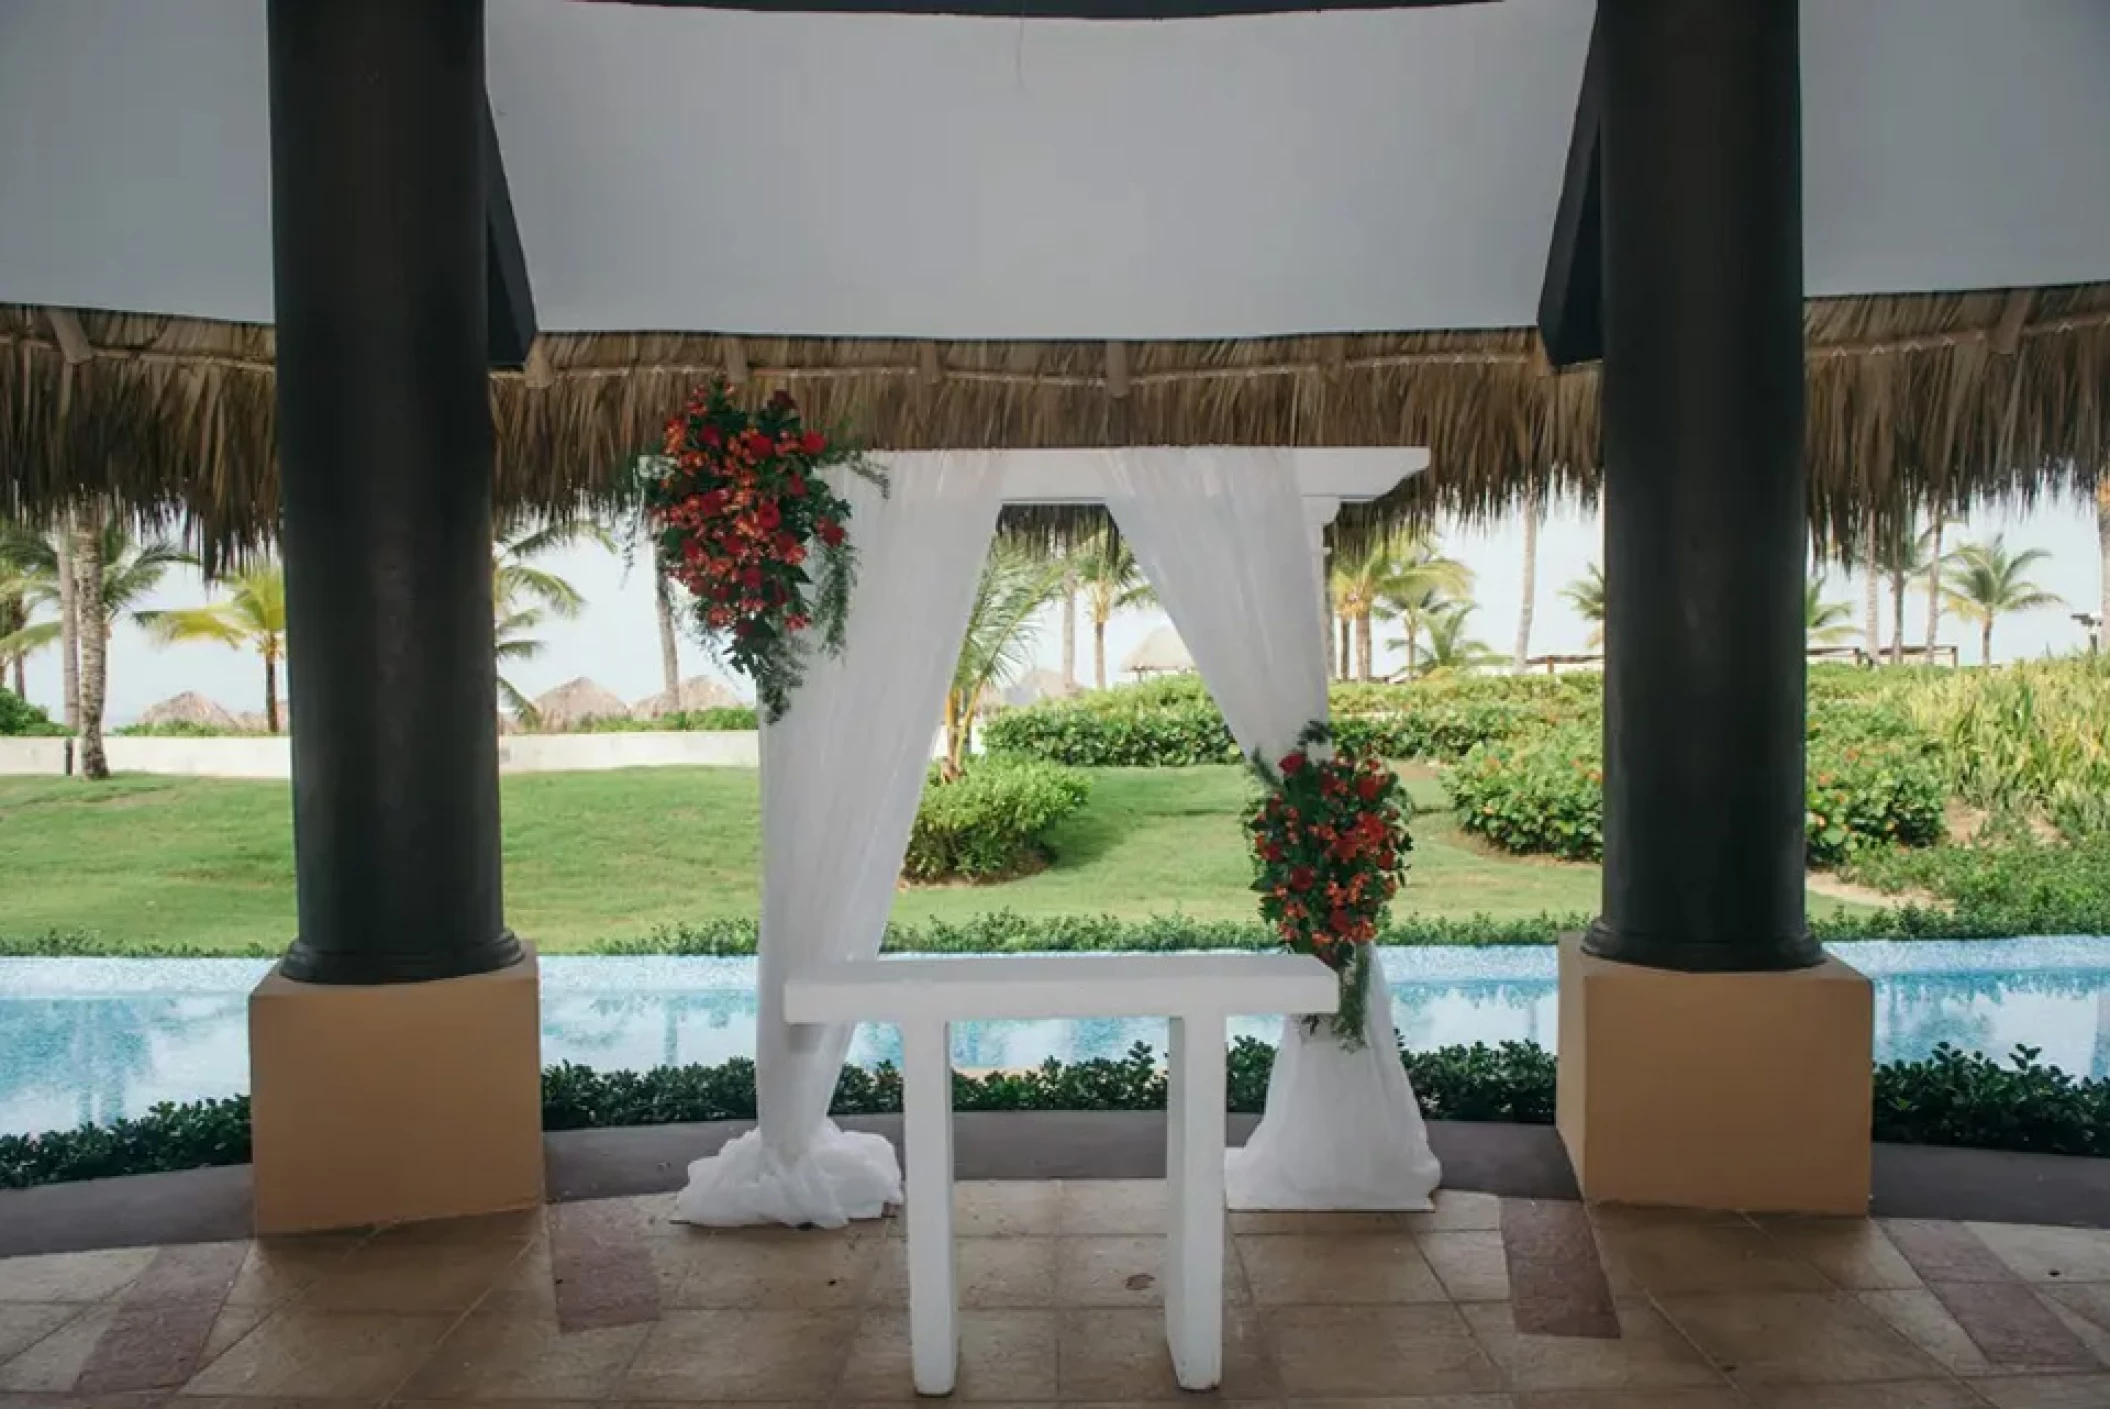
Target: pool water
(101, 1039)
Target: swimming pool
(100, 1039)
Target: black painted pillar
(1704, 518)
(385, 445)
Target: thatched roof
(190, 707)
(696, 692)
(255, 721)
(575, 702)
(1933, 399)
(1037, 685)
(1162, 652)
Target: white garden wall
(32, 757)
(272, 758)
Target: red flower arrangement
(1330, 848)
(743, 519)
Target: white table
(924, 996)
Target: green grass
(592, 856)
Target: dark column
(384, 436)
(1705, 520)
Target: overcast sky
(615, 641)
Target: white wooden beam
(540, 374)
(2006, 336)
(72, 338)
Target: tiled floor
(1484, 1304)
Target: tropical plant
(1984, 582)
(1111, 581)
(1414, 584)
(1903, 554)
(1824, 623)
(1014, 586)
(252, 617)
(1586, 595)
(2102, 538)
(1533, 512)
(525, 596)
(1449, 650)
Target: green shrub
(183, 729)
(1090, 732)
(1870, 790)
(717, 719)
(1952, 1098)
(992, 821)
(18, 717)
(1542, 795)
(2010, 881)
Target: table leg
(933, 1315)
(1194, 1178)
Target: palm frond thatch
(1909, 402)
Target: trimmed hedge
(2040, 887)
(992, 821)
(718, 719)
(1953, 1098)
(18, 718)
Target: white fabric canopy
(1224, 538)
(841, 776)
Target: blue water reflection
(99, 1039)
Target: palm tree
(1984, 582)
(1586, 595)
(254, 617)
(1824, 623)
(1902, 554)
(669, 639)
(1935, 558)
(2102, 538)
(1014, 586)
(1531, 578)
(1416, 582)
(1111, 581)
(1449, 649)
(524, 597)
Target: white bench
(1197, 992)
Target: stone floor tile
(1416, 1401)
(411, 1277)
(1854, 1254)
(741, 1355)
(23, 1324)
(191, 1272)
(1558, 1285)
(1920, 1317)
(1470, 1263)
(1896, 1394)
(1326, 1352)
(72, 1276)
(52, 1364)
(808, 1274)
(1114, 1355)
(1293, 1269)
(1945, 1252)
(1112, 1207)
(521, 1226)
(997, 1208)
(495, 1357)
(2049, 1254)
(1796, 1338)
(1458, 1210)
(1651, 1216)
(1683, 1397)
(1111, 1272)
(324, 1354)
(2016, 1327)
(2046, 1391)
(1005, 1356)
(991, 1273)
(1671, 1258)
(278, 1269)
(149, 1346)
(2085, 1306)
(1649, 1352)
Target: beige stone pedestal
(396, 1102)
(1725, 1091)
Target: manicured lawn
(206, 862)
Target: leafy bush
(717, 719)
(184, 729)
(1871, 781)
(992, 821)
(1952, 1098)
(18, 717)
(2010, 881)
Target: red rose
(797, 487)
(1368, 787)
(709, 436)
(751, 577)
(1342, 923)
(831, 533)
(813, 442)
(1293, 763)
(769, 515)
(1301, 878)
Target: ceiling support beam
(2006, 337)
(736, 371)
(72, 338)
(510, 312)
(1055, 9)
(930, 366)
(1571, 301)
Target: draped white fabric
(1223, 536)
(841, 776)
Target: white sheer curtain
(1223, 536)
(841, 776)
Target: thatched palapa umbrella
(1036, 686)
(574, 703)
(191, 708)
(1162, 653)
(696, 692)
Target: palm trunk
(94, 631)
(1531, 578)
(1985, 641)
(22, 677)
(1413, 645)
(1362, 646)
(669, 643)
(69, 624)
(1099, 651)
(2102, 536)
(271, 692)
(1934, 593)
(1345, 654)
(1871, 591)
(1897, 618)
(1069, 635)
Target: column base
(395, 1103)
(1748, 1092)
